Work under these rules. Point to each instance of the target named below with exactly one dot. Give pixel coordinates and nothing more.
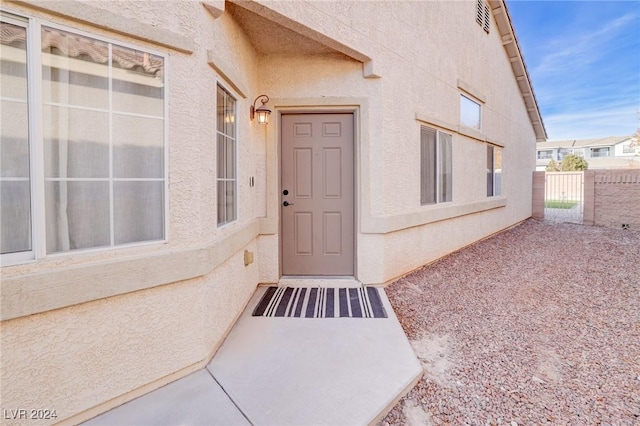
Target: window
(628, 149)
(435, 166)
(227, 177)
(15, 166)
(545, 155)
(494, 171)
(483, 16)
(101, 108)
(600, 152)
(563, 152)
(469, 112)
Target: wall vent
(483, 16)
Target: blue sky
(584, 60)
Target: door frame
(354, 112)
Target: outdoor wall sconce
(262, 112)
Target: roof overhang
(271, 31)
(511, 46)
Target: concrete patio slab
(287, 371)
(315, 371)
(193, 400)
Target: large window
(15, 150)
(494, 171)
(470, 114)
(101, 110)
(435, 166)
(227, 177)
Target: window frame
(548, 154)
(628, 149)
(436, 168)
(471, 102)
(34, 27)
(494, 186)
(598, 150)
(236, 198)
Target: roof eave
(512, 48)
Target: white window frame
(598, 150)
(466, 103)
(36, 140)
(437, 166)
(236, 196)
(548, 154)
(563, 152)
(628, 149)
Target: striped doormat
(315, 302)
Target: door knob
(286, 203)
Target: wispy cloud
(595, 122)
(584, 59)
(577, 49)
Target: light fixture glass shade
(262, 114)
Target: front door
(317, 194)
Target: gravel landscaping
(539, 324)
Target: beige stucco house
(142, 204)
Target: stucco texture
(419, 76)
(72, 359)
(76, 359)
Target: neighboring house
(141, 204)
(614, 152)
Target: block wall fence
(611, 198)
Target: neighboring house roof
(511, 46)
(583, 143)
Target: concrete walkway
(287, 371)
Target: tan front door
(316, 197)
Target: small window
(435, 166)
(545, 155)
(469, 112)
(563, 152)
(226, 153)
(483, 15)
(628, 149)
(494, 171)
(600, 152)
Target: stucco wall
(104, 351)
(73, 359)
(420, 76)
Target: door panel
(318, 174)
